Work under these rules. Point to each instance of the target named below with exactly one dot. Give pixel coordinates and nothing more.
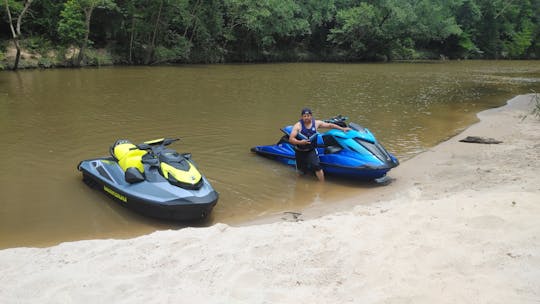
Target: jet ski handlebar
(161, 141)
(168, 141)
(338, 120)
(148, 145)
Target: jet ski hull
(360, 171)
(154, 197)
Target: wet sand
(457, 224)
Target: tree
(320, 15)
(204, 31)
(16, 31)
(255, 28)
(157, 31)
(384, 29)
(178, 31)
(374, 31)
(75, 23)
(44, 22)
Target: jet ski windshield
(374, 148)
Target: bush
(37, 45)
(97, 57)
(175, 54)
(45, 62)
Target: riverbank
(54, 58)
(458, 223)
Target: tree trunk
(194, 21)
(192, 15)
(15, 37)
(131, 38)
(23, 12)
(88, 15)
(16, 33)
(150, 54)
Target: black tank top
(307, 133)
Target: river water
(52, 119)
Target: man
(304, 139)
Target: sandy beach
(458, 223)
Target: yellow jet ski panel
(132, 159)
(128, 155)
(179, 177)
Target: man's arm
(327, 125)
(294, 133)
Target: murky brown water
(52, 119)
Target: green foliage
(45, 23)
(45, 62)
(14, 6)
(356, 27)
(387, 29)
(97, 58)
(174, 55)
(519, 41)
(71, 27)
(263, 25)
(37, 44)
(160, 31)
(2, 58)
(467, 44)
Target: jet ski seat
(331, 145)
(130, 160)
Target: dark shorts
(307, 161)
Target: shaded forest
(90, 32)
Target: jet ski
(152, 180)
(352, 154)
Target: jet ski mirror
(142, 147)
(168, 141)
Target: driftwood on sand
(480, 140)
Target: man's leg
(315, 165)
(320, 175)
(301, 166)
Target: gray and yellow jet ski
(152, 180)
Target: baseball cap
(306, 111)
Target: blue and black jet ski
(152, 180)
(353, 154)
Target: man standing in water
(303, 137)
